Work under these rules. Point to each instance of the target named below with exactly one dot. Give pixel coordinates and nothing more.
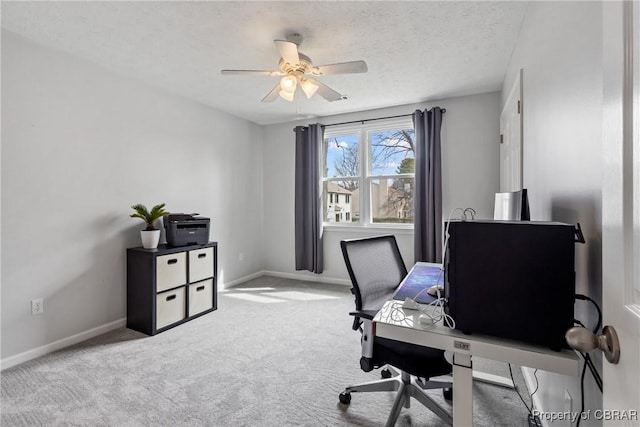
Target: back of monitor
(511, 206)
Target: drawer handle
(172, 261)
(200, 288)
(202, 255)
(171, 297)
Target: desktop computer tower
(511, 279)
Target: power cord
(584, 371)
(518, 391)
(437, 314)
(535, 375)
(430, 314)
(595, 304)
(463, 217)
(533, 420)
(588, 362)
(471, 212)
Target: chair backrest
(375, 267)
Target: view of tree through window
(380, 160)
(392, 153)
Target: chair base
(407, 386)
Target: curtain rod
(370, 120)
(444, 110)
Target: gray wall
(470, 164)
(80, 145)
(560, 52)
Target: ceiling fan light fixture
(309, 87)
(286, 95)
(289, 83)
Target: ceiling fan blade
(273, 95)
(341, 68)
(253, 72)
(288, 51)
(327, 93)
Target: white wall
(560, 52)
(470, 165)
(80, 145)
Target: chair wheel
(345, 397)
(385, 373)
(447, 393)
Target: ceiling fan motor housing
(303, 67)
(295, 38)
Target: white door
(511, 139)
(621, 208)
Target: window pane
(392, 152)
(392, 200)
(341, 201)
(341, 156)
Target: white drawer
(200, 264)
(171, 271)
(200, 296)
(170, 307)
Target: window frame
(364, 131)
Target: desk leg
(462, 390)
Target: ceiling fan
(298, 71)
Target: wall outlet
(241, 256)
(568, 402)
(37, 306)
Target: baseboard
(227, 285)
(17, 359)
(294, 276)
(531, 382)
(308, 278)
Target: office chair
(376, 269)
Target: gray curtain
(308, 198)
(428, 196)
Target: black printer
(186, 229)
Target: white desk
(396, 323)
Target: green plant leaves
(150, 217)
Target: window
(372, 165)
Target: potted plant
(150, 235)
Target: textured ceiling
(415, 51)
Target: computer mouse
(433, 291)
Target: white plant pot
(150, 238)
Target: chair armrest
(365, 314)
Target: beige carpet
(278, 355)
